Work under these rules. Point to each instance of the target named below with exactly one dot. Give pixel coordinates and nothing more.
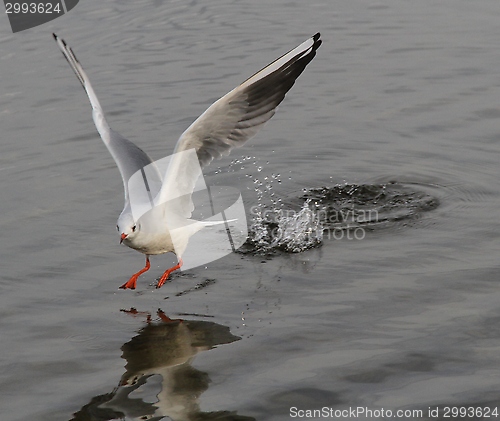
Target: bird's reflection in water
(159, 381)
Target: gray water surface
(400, 94)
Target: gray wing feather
(128, 157)
(233, 119)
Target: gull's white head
(127, 227)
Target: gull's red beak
(122, 237)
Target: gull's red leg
(131, 282)
(165, 276)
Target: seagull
(228, 123)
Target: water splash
(289, 231)
(276, 228)
(341, 211)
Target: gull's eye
(133, 228)
(118, 228)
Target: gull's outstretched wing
(128, 157)
(233, 119)
(237, 116)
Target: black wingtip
(59, 39)
(317, 41)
